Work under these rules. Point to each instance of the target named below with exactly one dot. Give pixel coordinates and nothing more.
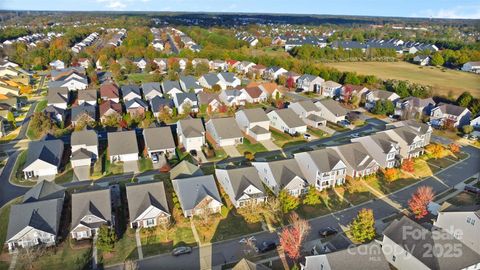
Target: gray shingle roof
(50, 151)
(245, 264)
(308, 105)
(127, 89)
(419, 246)
(325, 159)
(192, 127)
(44, 190)
(91, 202)
(87, 95)
(185, 169)
(122, 142)
(84, 109)
(333, 107)
(158, 103)
(181, 97)
(87, 137)
(191, 191)
(41, 215)
(451, 109)
(228, 76)
(190, 82)
(57, 95)
(211, 79)
(168, 86)
(255, 115)
(355, 155)
(158, 138)
(143, 195)
(290, 118)
(129, 103)
(284, 171)
(242, 178)
(226, 128)
(151, 87)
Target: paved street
(231, 250)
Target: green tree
(437, 59)
(312, 197)
(287, 201)
(467, 129)
(106, 239)
(464, 99)
(11, 119)
(363, 226)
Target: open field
(441, 81)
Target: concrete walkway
(232, 151)
(94, 252)
(139, 244)
(270, 145)
(13, 261)
(382, 196)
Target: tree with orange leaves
(420, 200)
(391, 174)
(293, 236)
(455, 148)
(408, 165)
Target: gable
(39, 165)
(150, 212)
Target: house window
(150, 222)
(394, 258)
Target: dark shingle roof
(158, 138)
(143, 195)
(44, 190)
(50, 151)
(91, 202)
(87, 137)
(191, 191)
(122, 143)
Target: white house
(471, 67)
(224, 131)
(282, 175)
(445, 113)
(191, 134)
(57, 64)
(330, 89)
(84, 145)
(331, 110)
(255, 123)
(43, 159)
(122, 146)
(287, 120)
(310, 83)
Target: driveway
(130, 166)
(81, 173)
(270, 145)
(232, 151)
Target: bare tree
(131, 265)
(28, 256)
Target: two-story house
(191, 134)
(286, 120)
(450, 115)
(255, 123)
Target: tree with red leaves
(280, 104)
(455, 148)
(347, 94)
(408, 166)
(292, 237)
(290, 82)
(420, 200)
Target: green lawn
(379, 183)
(442, 80)
(330, 202)
(253, 148)
(317, 132)
(113, 168)
(17, 176)
(140, 78)
(41, 105)
(441, 162)
(145, 164)
(66, 176)
(282, 138)
(355, 192)
(336, 127)
(125, 248)
(157, 241)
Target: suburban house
(34, 223)
(269, 88)
(310, 83)
(349, 90)
(55, 113)
(209, 80)
(258, 71)
(228, 79)
(42, 191)
(349, 258)
(414, 107)
(282, 175)
(147, 204)
(122, 146)
(191, 134)
(330, 89)
(159, 104)
(136, 106)
(244, 66)
(331, 110)
(162, 63)
(185, 101)
(224, 131)
(308, 112)
(171, 88)
(159, 141)
(405, 243)
(84, 145)
(424, 131)
(57, 64)
(382, 148)
(91, 209)
(462, 222)
(109, 109)
(371, 97)
(72, 82)
(58, 97)
(422, 60)
(410, 141)
(190, 84)
(151, 90)
(255, 123)
(185, 169)
(198, 195)
(322, 168)
(475, 122)
(207, 100)
(272, 73)
(286, 120)
(130, 92)
(471, 67)
(255, 94)
(234, 97)
(109, 91)
(140, 63)
(242, 185)
(43, 159)
(83, 113)
(357, 159)
(87, 96)
(245, 264)
(449, 114)
(218, 65)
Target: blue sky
(403, 8)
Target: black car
(266, 247)
(327, 232)
(181, 250)
(472, 189)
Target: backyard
(248, 146)
(283, 139)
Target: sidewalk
(138, 240)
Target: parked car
(355, 135)
(472, 189)
(181, 250)
(307, 136)
(343, 123)
(266, 247)
(154, 158)
(328, 231)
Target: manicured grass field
(248, 146)
(442, 81)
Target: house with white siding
(224, 131)
(282, 175)
(255, 123)
(122, 146)
(286, 120)
(191, 134)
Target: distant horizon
(435, 9)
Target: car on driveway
(266, 246)
(181, 250)
(343, 123)
(472, 189)
(154, 158)
(326, 232)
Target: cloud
(113, 4)
(459, 12)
